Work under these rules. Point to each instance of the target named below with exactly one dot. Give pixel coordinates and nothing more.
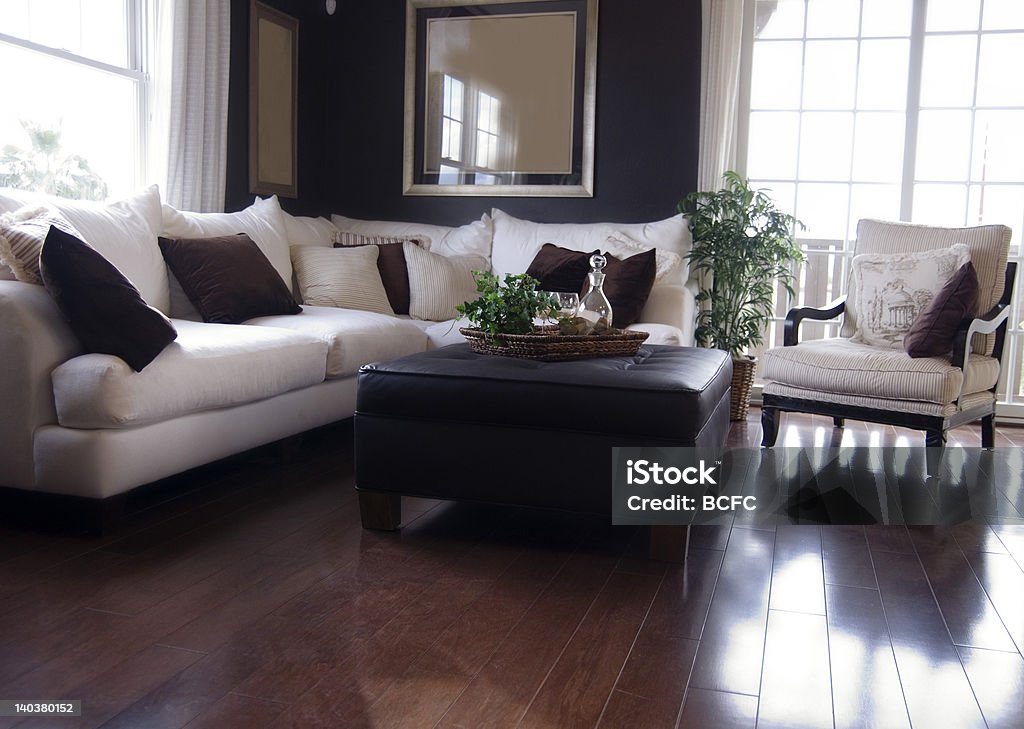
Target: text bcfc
(678, 502)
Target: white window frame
(1010, 407)
(140, 17)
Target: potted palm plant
(742, 245)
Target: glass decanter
(594, 306)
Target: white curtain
(721, 45)
(190, 102)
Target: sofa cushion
(306, 231)
(124, 232)
(438, 284)
(894, 288)
(516, 242)
(103, 309)
(209, 366)
(394, 273)
(346, 278)
(263, 221)
(472, 239)
(353, 338)
(845, 367)
(932, 333)
(227, 278)
(22, 233)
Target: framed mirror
(499, 97)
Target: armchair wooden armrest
(985, 324)
(795, 316)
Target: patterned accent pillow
(390, 262)
(894, 289)
(437, 284)
(22, 233)
(346, 277)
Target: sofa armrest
(673, 305)
(791, 336)
(34, 339)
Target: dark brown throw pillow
(627, 284)
(931, 334)
(227, 278)
(559, 269)
(103, 308)
(390, 264)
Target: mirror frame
(416, 73)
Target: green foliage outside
(742, 244)
(44, 167)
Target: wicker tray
(549, 346)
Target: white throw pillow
(263, 221)
(472, 239)
(22, 233)
(304, 231)
(437, 284)
(345, 278)
(516, 242)
(125, 233)
(894, 288)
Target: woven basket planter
(743, 369)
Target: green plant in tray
(508, 307)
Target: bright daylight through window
(74, 121)
(890, 109)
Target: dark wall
(315, 81)
(351, 115)
(647, 120)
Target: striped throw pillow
(22, 233)
(348, 239)
(437, 284)
(346, 278)
(390, 262)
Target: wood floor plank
(1003, 581)
(866, 689)
(998, 682)
(846, 557)
(796, 662)
(502, 690)
(626, 711)
(680, 608)
(971, 618)
(238, 712)
(934, 683)
(884, 538)
(575, 691)
(732, 644)
(798, 582)
(110, 692)
(719, 709)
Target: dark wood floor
(247, 595)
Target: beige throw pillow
(346, 278)
(893, 289)
(437, 284)
(22, 233)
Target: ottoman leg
(380, 511)
(669, 542)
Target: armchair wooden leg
(769, 426)
(988, 431)
(838, 422)
(935, 438)
(380, 511)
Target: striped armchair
(846, 377)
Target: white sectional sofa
(88, 425)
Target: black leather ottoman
(453, 424)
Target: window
(451, 119)
(892, 109)
(76, 117)
(487, 116)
